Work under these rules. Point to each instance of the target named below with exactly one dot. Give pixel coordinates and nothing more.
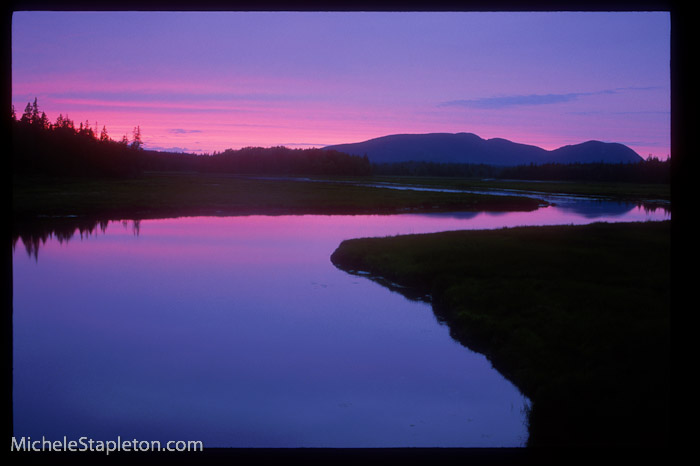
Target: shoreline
(549, 328)
(167, 195)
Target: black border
(683, 120)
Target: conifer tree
(44, 122)
(27, 115)
(88, 130)
(137, 143)
(35, 118)
(68, 123)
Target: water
(239, 332)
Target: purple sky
(204, 82)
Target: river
(239, 332)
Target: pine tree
(27, 115)
(35, 118)
(137, 143)
(44, 121)
(88, 130)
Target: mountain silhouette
(470, 148)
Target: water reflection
(239, 331)
(584, 204)
(37, 233)
(570, 211)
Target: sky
(208, 81)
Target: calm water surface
(239, 332)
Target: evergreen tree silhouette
(35, 118)
(137, 143)
(27, 115)
(44, 121)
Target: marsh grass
(576, 316)
(180, 194)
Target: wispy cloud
(511, 101)
(303, 144)
(183, 95)
(640, 112)
(500, 102)
(183, 131)
(176, 149)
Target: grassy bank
(576, 316)
(633, 192)
(175, 194)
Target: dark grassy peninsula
(179, 194)
(576, 316)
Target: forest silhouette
(64, 148)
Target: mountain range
(472, 149)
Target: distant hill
(470, 148)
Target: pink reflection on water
(320, 229)
(244, 238)
(214, 326)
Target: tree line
(63, 148)
(33, 119)
(651, 170)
